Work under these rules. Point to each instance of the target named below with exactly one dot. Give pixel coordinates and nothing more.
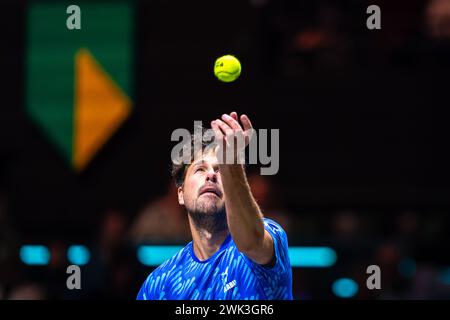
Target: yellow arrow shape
(100, 108)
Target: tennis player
(235, 253)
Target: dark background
(362, 118)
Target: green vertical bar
(50, 74)
(106, 31)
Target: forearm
(243, 214)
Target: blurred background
(87, 115)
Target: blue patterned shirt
(226, 275)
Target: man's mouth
(211, 190)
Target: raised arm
(243, 213)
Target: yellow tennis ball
(227, 68)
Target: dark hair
(179, 167)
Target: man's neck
(205, 243)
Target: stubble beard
(209, 217)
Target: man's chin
(210, 210)
(210, 204)
(210, 207)
(209, 216)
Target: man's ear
(180, 196)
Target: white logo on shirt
(229, 285)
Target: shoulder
(158, 277)
(274, 228)
(172, 262)
(280, 245)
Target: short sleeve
(276, 278)
(281, 265)
(144, 292)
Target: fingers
(220, 140)
(231, 122)
(217, 132)
(231, 137)
(246, 122)
(225, 128)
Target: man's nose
(211, 176)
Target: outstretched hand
(231, 137)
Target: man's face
(202, 190)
